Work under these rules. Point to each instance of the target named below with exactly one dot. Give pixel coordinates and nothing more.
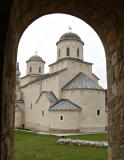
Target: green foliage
(32, 146)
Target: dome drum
(70, 45)
(35, 65)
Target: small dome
(35, 58)
(70, 36)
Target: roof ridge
(43, 92)
(71, 80)
(82, 81)
(72, 59)
(61, 105)
(44, 76)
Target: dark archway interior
(107, 19)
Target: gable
(49, 95)
(64, 105)
(82, 81)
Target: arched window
(78, 52)
(42, 113)
(59, 53)
(68, 52)
(61, 118)
(30, 69)
(98, 112)
(39, 69)
(31, 105)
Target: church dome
(35, 58)
(70, 36)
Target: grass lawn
(32, 146)
(92, 137)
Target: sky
(41, 37)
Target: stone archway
(105, 17)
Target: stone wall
(106, 17)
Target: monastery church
(67, 99)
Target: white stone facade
(75, 49)
(67, 99)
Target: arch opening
(30, 87)
(106, 19)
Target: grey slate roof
(50, 95)
(71, 59)
(41, 77)
(64, 105)
(82, 81)
(70, 36)
(35, 58)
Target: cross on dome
(36, 53)
(70, 29)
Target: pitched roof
(44, 76)
(50, 95)
(82, 81)
(95, 76)
(70, 59)
(64, 105)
